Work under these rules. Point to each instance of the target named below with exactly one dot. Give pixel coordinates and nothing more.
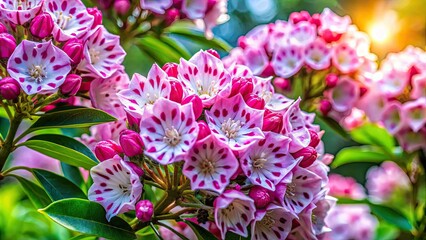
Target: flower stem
(8, 145)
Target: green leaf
(200, 232)
(374, 135)
(35, 193)
(177, 46)
(73, 174)
(57, 186)
(158, 50)
(386, 232)
(333, 125)
(73, 152)
(87, 217)
(84, 237)
(71, 118)
(359, 154)
(197, 36)
(391, 216)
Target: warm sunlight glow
(380, 32)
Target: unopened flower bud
(197, 104)
(144, 210)
(171, 16)
(241, 85)
(85, 87)
(325, 107)
(331, 80)
(7, 45)
(97, 16)
(315, 140)
(131, 143)
(133, 121)
(74, 49)
(122, 6)
(316, 20)
(71, 85)
(214, 53)
(330, 36)
(204, 130)
(176, 92)
(242, 42)
(254, 101)
(308, 154)
(3, 28)
(268, 71)
(362, 90)
(260, 196)
(136, 168)
(297, 17)
(42, 25)
(272, 121)
(105, 150)
(9, 88)
(171, 69)
(282, 84)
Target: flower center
(267, 221)
(123, 188)
(62, 20)
(95, 55)
(172, 136)
(207, 167)
(207, 88)
(260, 161)
(151, 98)
(231, 127)
(24, 5)
(37, 73)
(226, 212)
(291, 187)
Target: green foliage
(200, 232)
(87, 217)
(374, 135)
(73, 174)
(35, 193)
(359, 154)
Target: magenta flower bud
(176, 92)
(204, 130)
(74, 49)
(9, 88)
(97, 16)
(260, 196)
(297, 17)
(241, 85)
(105, 150)
(315, 140)
(330, 36)
(268, 71)
(282, 84)
(197, 104)
(3, 28)
(171, 16)
(316, 19)
(331, 80)
(171, 69)
(362, 90)
(272, 121)
(7, 45)
(254, 101)
(309, 155)
(121, 6)
(133, 121)
(242, 42)
(325, 107)
(131, 143)
(42, 25)
(71, 85)
(144, 210)
(213, 52)
(136, 168)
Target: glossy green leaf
(35, 193)
(89, 218)
(60, 152)
(56, 186)
(158, 50)
(200, 232)
(84, 237)
(359, 154)
(178, 47)
(386, 232)
(71, 118)
(335, 126)
(391, 216)
(73, 174)
(373, 135)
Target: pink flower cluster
(324, 51)
(396, 97)
(234, 139)
(64, 43)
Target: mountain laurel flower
(115, 186)
(108, 149)
(241, 85)
(38, 67)
(260, 196)
(97, 16)
(74, 49)
(272, 223)
(233, 211)
(19, 13)
(176, 93)
(71, 85)
(209, 165)
(7, 45)
(254, 101)
(168, 131)
(156, 6)
(272, 121)
(308, 155)
(131, 143)
(41, 26)
(171, 69)
(144, 210)
(9, 88)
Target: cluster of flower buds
(324, 54)
(396, 98)
(220, 141)
(206, 14)
(53, 47)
